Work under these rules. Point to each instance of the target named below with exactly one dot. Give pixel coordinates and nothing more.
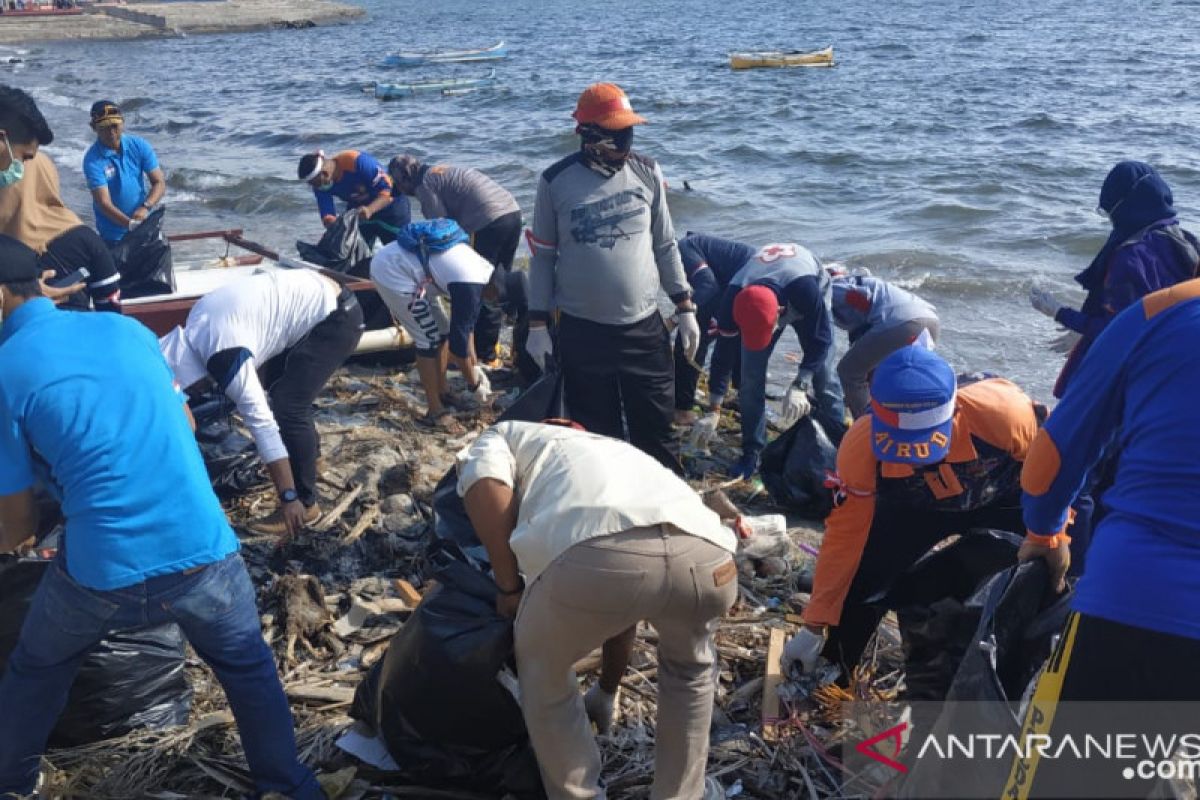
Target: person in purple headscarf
(1146, 251)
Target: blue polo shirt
(88, 407)
(124, 173)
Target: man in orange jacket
(929, 460)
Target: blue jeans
(215, 607)
(829, 407)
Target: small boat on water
(782, 58)
(494, 53)
(392, 91)
(195, 275)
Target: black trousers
(687, 378)
(1105, 677)
(497, 242)
(899, 536)
(82, 247)
(619, 379)
(296, 376)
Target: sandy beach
(156, 20)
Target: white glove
(689, 333)
(133, 223)
(805, 647)
(539, 346)
(1044, 301)
(483, 386)
(795, 406)
(705, 430)
(601, 707)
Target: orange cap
(756, 310)
(606, 105)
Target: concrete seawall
(151, 20)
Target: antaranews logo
(893, 734)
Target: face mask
(15, 171)
(1108, 213)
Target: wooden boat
(196, 277)
(496, 52)
(392, 91)
(782, 58)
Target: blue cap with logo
(912, 407)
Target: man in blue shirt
(88, 409)
(361, 182)
(116, 167)
(1135, 632)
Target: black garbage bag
(229, 455)
(1020, 616)
(342, 248)
(434, 697)
(795, 466)
(934, 609)
(143, 257)
(133, 679)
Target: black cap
(17, 262)
(105, 111)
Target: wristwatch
(289, 496)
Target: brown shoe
(274, 525)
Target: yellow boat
(782, 58)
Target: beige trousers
(679, 583)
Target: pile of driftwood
(332, 598)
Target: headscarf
(406, 172)
(431, 235)
(1136, 197)
(604, 150)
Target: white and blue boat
(392, 91)
(496, 52)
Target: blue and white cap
(912, 407)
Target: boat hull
(496, 52)
(771, 59)
(392, 91)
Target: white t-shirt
(572, 486)
(400, 269)
(258, 317)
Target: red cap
(606, 105)
(756, 310)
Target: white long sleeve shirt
(572, 486)
(234, 330)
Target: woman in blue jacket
(1146, 251)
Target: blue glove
(745, 466)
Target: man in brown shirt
(31, 206)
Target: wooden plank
(365, 521)
(407, 593)
(794, 619)
(771, 683)
(321, 694)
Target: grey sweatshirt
(602, 247)
(464, 195)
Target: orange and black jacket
(994, 424)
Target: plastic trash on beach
(795, 466)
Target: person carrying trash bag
(427, 261)
(784, 284)
(88, 409)
(587, 536)
(1133, 640)
(361, 182)
(603, 246)
(880, 318)
(929, 461)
